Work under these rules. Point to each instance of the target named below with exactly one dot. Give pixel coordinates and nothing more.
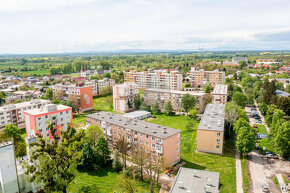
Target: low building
(138, 114)
(37, 120)
(124, 95)
(267, 61)
(210, 131)
(160, 140)
(8, 172)
(14, 113)
(12, 99)
(192, 180)
(219, 94)
(162, 96)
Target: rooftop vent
(164, 130)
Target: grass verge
(246, 179)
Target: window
(177, 156)
(147, 136)
(147, 143)
(66, 112)
(61, 113)
(46, 116)
(218, 134)
(217, 146)
(141, 142)
(115, 139)
(218, 140)
(177, 142)
(47, 129)
(141, 134)
(177, 149)
(47, 135)
(40, 130)
(62, 125)
(123, 129)
(153, 138)
(114, 132)
(153, 145)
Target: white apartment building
(97, 85)
(219, 94)
(14, 113)
(37, 120)
(124, 95)
(156, 79)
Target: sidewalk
(281, 182)
(239, 177)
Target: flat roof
(176, 91)
(192, 180)
(24, 104)
(213, 118)
(141, 126)
(46, 109)
(136, 114)
(220, 89)
(282, 93)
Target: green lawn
(225, 164)
(244, 163)
(264, 142)
(101, 103)
(79, 120)
(103, 180)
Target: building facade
(210, 131)
(14, 113)
(239, 59)
(97, 85)
(156, 79)
(37, 120)
(267, 61)
(201, 77)
(124, 95)
(160, 140)
(84, 93)
(162, 96)
(220, 94)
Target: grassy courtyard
(103, 181)
(102, 103)
(225, 164)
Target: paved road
(257, 172)
(262, 117)
(239, 177)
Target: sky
(56, 26)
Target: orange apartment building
(156, 79)
(37, 120)
(210, 131)
(219, 94)
(161, 140)
(201, 77)
(123, 96)
(85, 94)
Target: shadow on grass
(192, 165)
(96, 172)
(80, 115)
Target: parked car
(268, 152)
(273, 156)
(265, 188)
(153, 117)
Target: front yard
(225, 164)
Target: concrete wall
(207, 141)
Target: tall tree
(246, 139)
(53, 163)
(207, 88)
(240, 99)
(116, 165)
(93, 133)
(281, 139)
(88, 156)
(102, 151)
(155, 107)
(140, 157)
(76, 102)
(126, 184)
(168, 107)
(188, 102)
(124, 147)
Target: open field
(102, 181)
(225, 164)
(101, 103)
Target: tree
(243, 64)
(281, 139)
(269, 114)
(53, 163)
(190, 125)
(263, 108)
(284, 104)
(138, 101)
(239, 124)
(76, 102)
(59, 95)
(240, 99)
(126, 184)
(145, 107)
(140, 156)
(188, 102)
(246, 139)
(168, 108)
(155, 107)
(93, 133)
(88, 157)
(102, 151)
(232, 113)
(13, 132)
(48, 94)
(116, 165)
(193, 114)
(207, 88)
(124, 147)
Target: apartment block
(97, 85)
(14, 113)
(161, 140)
(239, 59)
(85, 94)
(37, 120)
(156, 79)
(201, 77)
(267, 61)
(124, 95)
(219, 94)
(162, 96)
(210, 132)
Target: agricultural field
(225, 164)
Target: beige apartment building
(160, 140)
(162, 96)
(156, 79)
(123, 96)
(201, 77)
(210, 132)
(97, 85)
(219, 94)
(14, 113)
